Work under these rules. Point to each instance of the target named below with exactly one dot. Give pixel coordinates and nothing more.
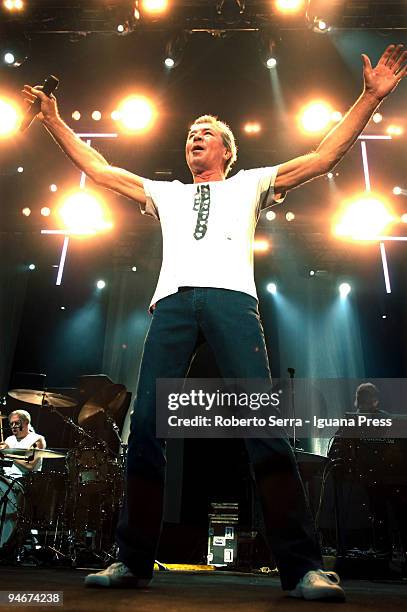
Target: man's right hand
(49, 108)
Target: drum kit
(68, 516)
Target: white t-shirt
(31, 438)
(223, 258)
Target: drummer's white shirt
(223, 258)
(31, 438)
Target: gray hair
(22, 414)
(227, 137)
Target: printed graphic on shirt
(202, 201)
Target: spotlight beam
(109, 135)
(365, 166)
(62, 260)
(373, 137)
(385, 268)
(382, 246)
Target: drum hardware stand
(2, 403)
(114, 425)
(291, 372)
(70, 422)
(18, 551)
(3, 506)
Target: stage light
(155, 7)
(403, 218)
(330, 175)
(267, 49)
(344, 289)
(377, 118)
(134, 269)
(336, 116)
(82, 212)
(96, 115)
(394, 130)
(31, 267)
(364, 218)
(14, 54)
(136, 114)
(101, 284)
(13, 5)
(9, 58)
(62, 308)
(115, 115)
(290, 216)
(289, 6)
(261, 246)
(252, 128)
(9, 118)
(26, 211)
(15, 48)
(174, 49)
(312, 272)
(320, 26)
(53, 188)
(120, 28)
(76, 115)
(45, 211)
(270, 215)
(272, 288)
(397, 190)
(20, 169)
(315, 117)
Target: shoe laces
(117, 568)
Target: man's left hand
(390, 69)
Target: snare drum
(13, 523)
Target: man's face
(204, 149)
(368, 403)
(18, 426)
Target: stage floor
(194, 592)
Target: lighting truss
(214, 16)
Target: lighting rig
(104, 16)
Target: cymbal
(42, 398)
(108, 400)
(21, 453)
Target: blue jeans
(230, 323)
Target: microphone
(49, 86)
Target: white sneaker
(318, 584)
(116, 575)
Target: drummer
(23, 436)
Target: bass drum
(13, 523)
(46, 498)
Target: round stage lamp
(344, 289)
(137, 114)
(9, 118)
(316, 117)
